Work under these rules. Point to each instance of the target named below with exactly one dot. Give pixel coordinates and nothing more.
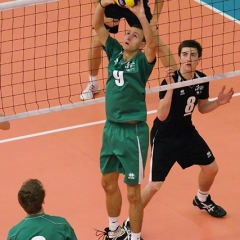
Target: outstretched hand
(224, 98)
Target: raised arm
(150, 48)
(164, 104)
(98, 20)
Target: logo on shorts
(131, 176)
(209, 154)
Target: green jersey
(42, 227)
(125, 87)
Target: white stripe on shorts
(140, 163)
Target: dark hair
(31, 196)
(139, 26)
(191, 44)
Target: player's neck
(127, 56)
(40, 212)
(187, 75)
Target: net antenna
(22, 3)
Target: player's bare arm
(98, 20)
(206, 106)
(165, 103)
(150, 49)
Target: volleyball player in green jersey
(113, 14)
(38, 225)
(126, 134)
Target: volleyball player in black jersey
(173, 135)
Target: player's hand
(169, 74)
(111, 22)
(224, 98)
(138, 9)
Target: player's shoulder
(13, 231)
(113, 44)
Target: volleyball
(126, 3)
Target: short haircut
(139, 26)
(31, 196)
(190, 44)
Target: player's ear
(143, 44)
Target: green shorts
(124, 150)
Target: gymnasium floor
(62, 150)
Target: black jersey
(117, 12)
(184, 100)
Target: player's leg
(149, 191)
(197, 152)
(110, 168)
(113, 195)
(207, 175)
(203, 199)
(135, 210)
(164, 53)
(95, 52)
(113, 204)
(161, 161)
(134, 144)
(94, 61)
(94, 56)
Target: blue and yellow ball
(126, 3)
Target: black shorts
(117, 12)
(187, 150)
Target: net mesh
(44, 50)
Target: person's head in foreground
(31, 196)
